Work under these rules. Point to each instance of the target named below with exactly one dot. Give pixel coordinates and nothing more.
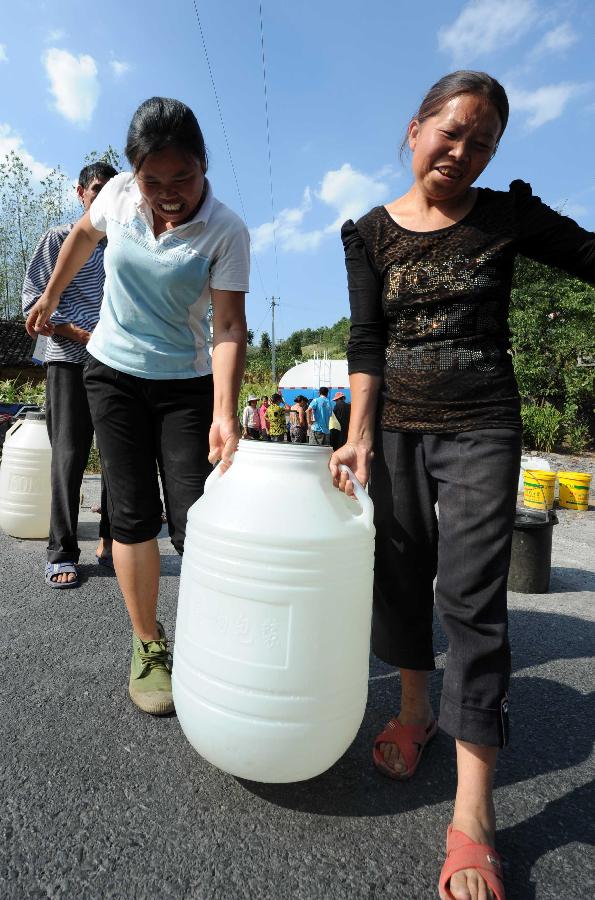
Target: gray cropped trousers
(472, 477)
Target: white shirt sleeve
(101, 208)
(230, 268)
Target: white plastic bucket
(270, 669)
(25, 482)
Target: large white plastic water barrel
(270, 672)
(25, 484)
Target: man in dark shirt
(342, 411)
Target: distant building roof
(16, 346)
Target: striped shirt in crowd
(79, 304)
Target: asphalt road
(100, 801)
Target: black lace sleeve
(367, 339)
(551, 238)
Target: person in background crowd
(342, 411)
(434, 396)
(251, 420)
(275, 416)
(287, 413)
(157, 399)
(298, 421)
(68, 417)
(319, 413)
(264, 422)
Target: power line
(268, 130)
(233, 168)
(266, 315)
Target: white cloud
(346, 191)
(544, 104)
(119, 67)
(557, 40)
(55, 35)
(286, 229)
(73, 83)
(11, 141)
(351, 193)
(484, 26)
(3, 55)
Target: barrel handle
(213, 478)
(14, 428)
(367, 513)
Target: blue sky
(343, 80)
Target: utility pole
(273, 351)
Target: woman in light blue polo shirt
(158, 400)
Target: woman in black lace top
(435, 397)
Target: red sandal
(463, 853)
(411, 741)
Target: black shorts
(144, 426)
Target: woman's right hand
(358, 456)
(38, 320)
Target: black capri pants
(141, 425)
(473, 477)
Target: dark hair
(276, 397)
(100, 170)
(464, 81)
(323, 391)
(159, 123)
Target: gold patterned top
(429, 310)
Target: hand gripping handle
(213, 478)
(367, 513)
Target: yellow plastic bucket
(574, 490)
(538, 490)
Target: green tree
(292, 345)
(551, 322)
(110, 155)
(27, 209)
(21, 222)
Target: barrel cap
(534, 518)
(38, 416)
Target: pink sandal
(463, 853)
(411, 741)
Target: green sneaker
(150, 675)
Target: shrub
(93, 464)
(541, 426)
(578, 437)
(15, 391)
(551, 322)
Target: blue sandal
(61, 568)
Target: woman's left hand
(223, 441)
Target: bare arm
(73, 333)
(229, 357)
(75, 251)
(357, 452)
